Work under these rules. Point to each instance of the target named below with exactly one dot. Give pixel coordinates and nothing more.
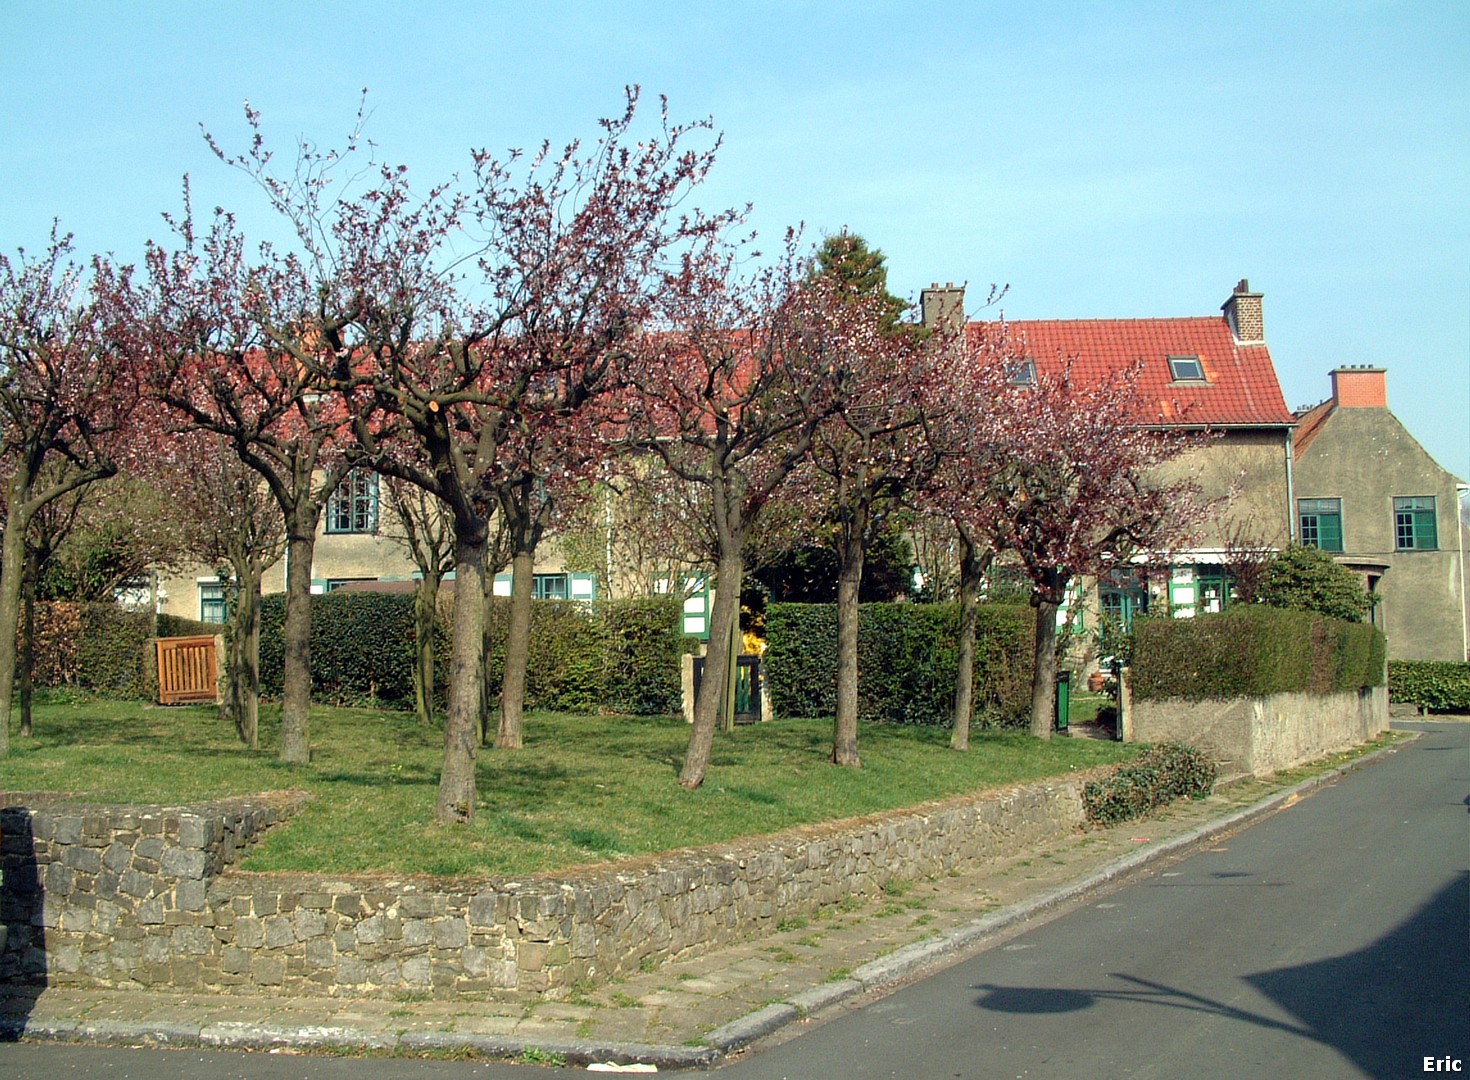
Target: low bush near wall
(1253, 651)
(906, 662)
(1442, 686)
(1157, 777)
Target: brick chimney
(1360, 386)
(943, 308)
(1244, 314)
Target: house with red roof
(1369, 494)
(1210, 373)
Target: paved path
(688, 1013)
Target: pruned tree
(68, 387)
(233, 524)
(1073, 491)
(870, 452)
(729, 400)
(422, 525)
(239, 344)
(477, 396)
(973, 439)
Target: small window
(353, 507)
(549, 586)
(211, 602)
(1414, 525)
(1321, 523)
(1215, 589)
(1186, 369)
(1024, 373)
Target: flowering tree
(67, 392)
(870, 452)
(730, 400)
(232, 524)
(482, 394)
(238, 348)
(1065, 482)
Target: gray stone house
(1367, 492)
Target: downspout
(1460, 492)
(1291, 522)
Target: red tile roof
(1240, 387)
(1309, 423)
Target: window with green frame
(1414, 526)
(1321, 523)
(1213, 585)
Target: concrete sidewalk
(686, 1013)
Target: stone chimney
(1360, 386)
(1244, 314)
(943, 308)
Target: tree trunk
(1044, 677)
(517, 651)
(466, 701)
(709, 706)
(27, 671)
(243, 695)
(425, 607)
(972, 571)
(12, 571)
(296, 668)
(845, 726)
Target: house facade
(1211, 374)
(1370, 495)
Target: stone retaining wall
(1260, 736)
(141, 896)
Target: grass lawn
(585, 789)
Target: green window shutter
(502, 585)
(583, 587)
(1329, 532)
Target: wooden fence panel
(188, 670)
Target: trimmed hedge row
(616, 655)
(1253, 651)
(1156, 777)
(96, 647)
(906, 665)
(1437, 685)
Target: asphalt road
(1330, 940)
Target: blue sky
(1103, 159)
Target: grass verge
(585, 789)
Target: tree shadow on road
(1385, 1007)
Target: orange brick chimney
(1360, 387)
(1244, 312)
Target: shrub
(1253, 651)
(906, 662)
(93, 646)
(1305, 578)
(1157, 777)
(361, 647)
(618, 655)
(1437, 685)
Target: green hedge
(906, 662)
(1253, 651)
(617, 656)
(96, 647)
(1437, 685)
(1156, 777)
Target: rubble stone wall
(144, 896)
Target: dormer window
(1024, 373)
(1186, 369)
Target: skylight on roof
(1024, 373)
(1186, 369)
